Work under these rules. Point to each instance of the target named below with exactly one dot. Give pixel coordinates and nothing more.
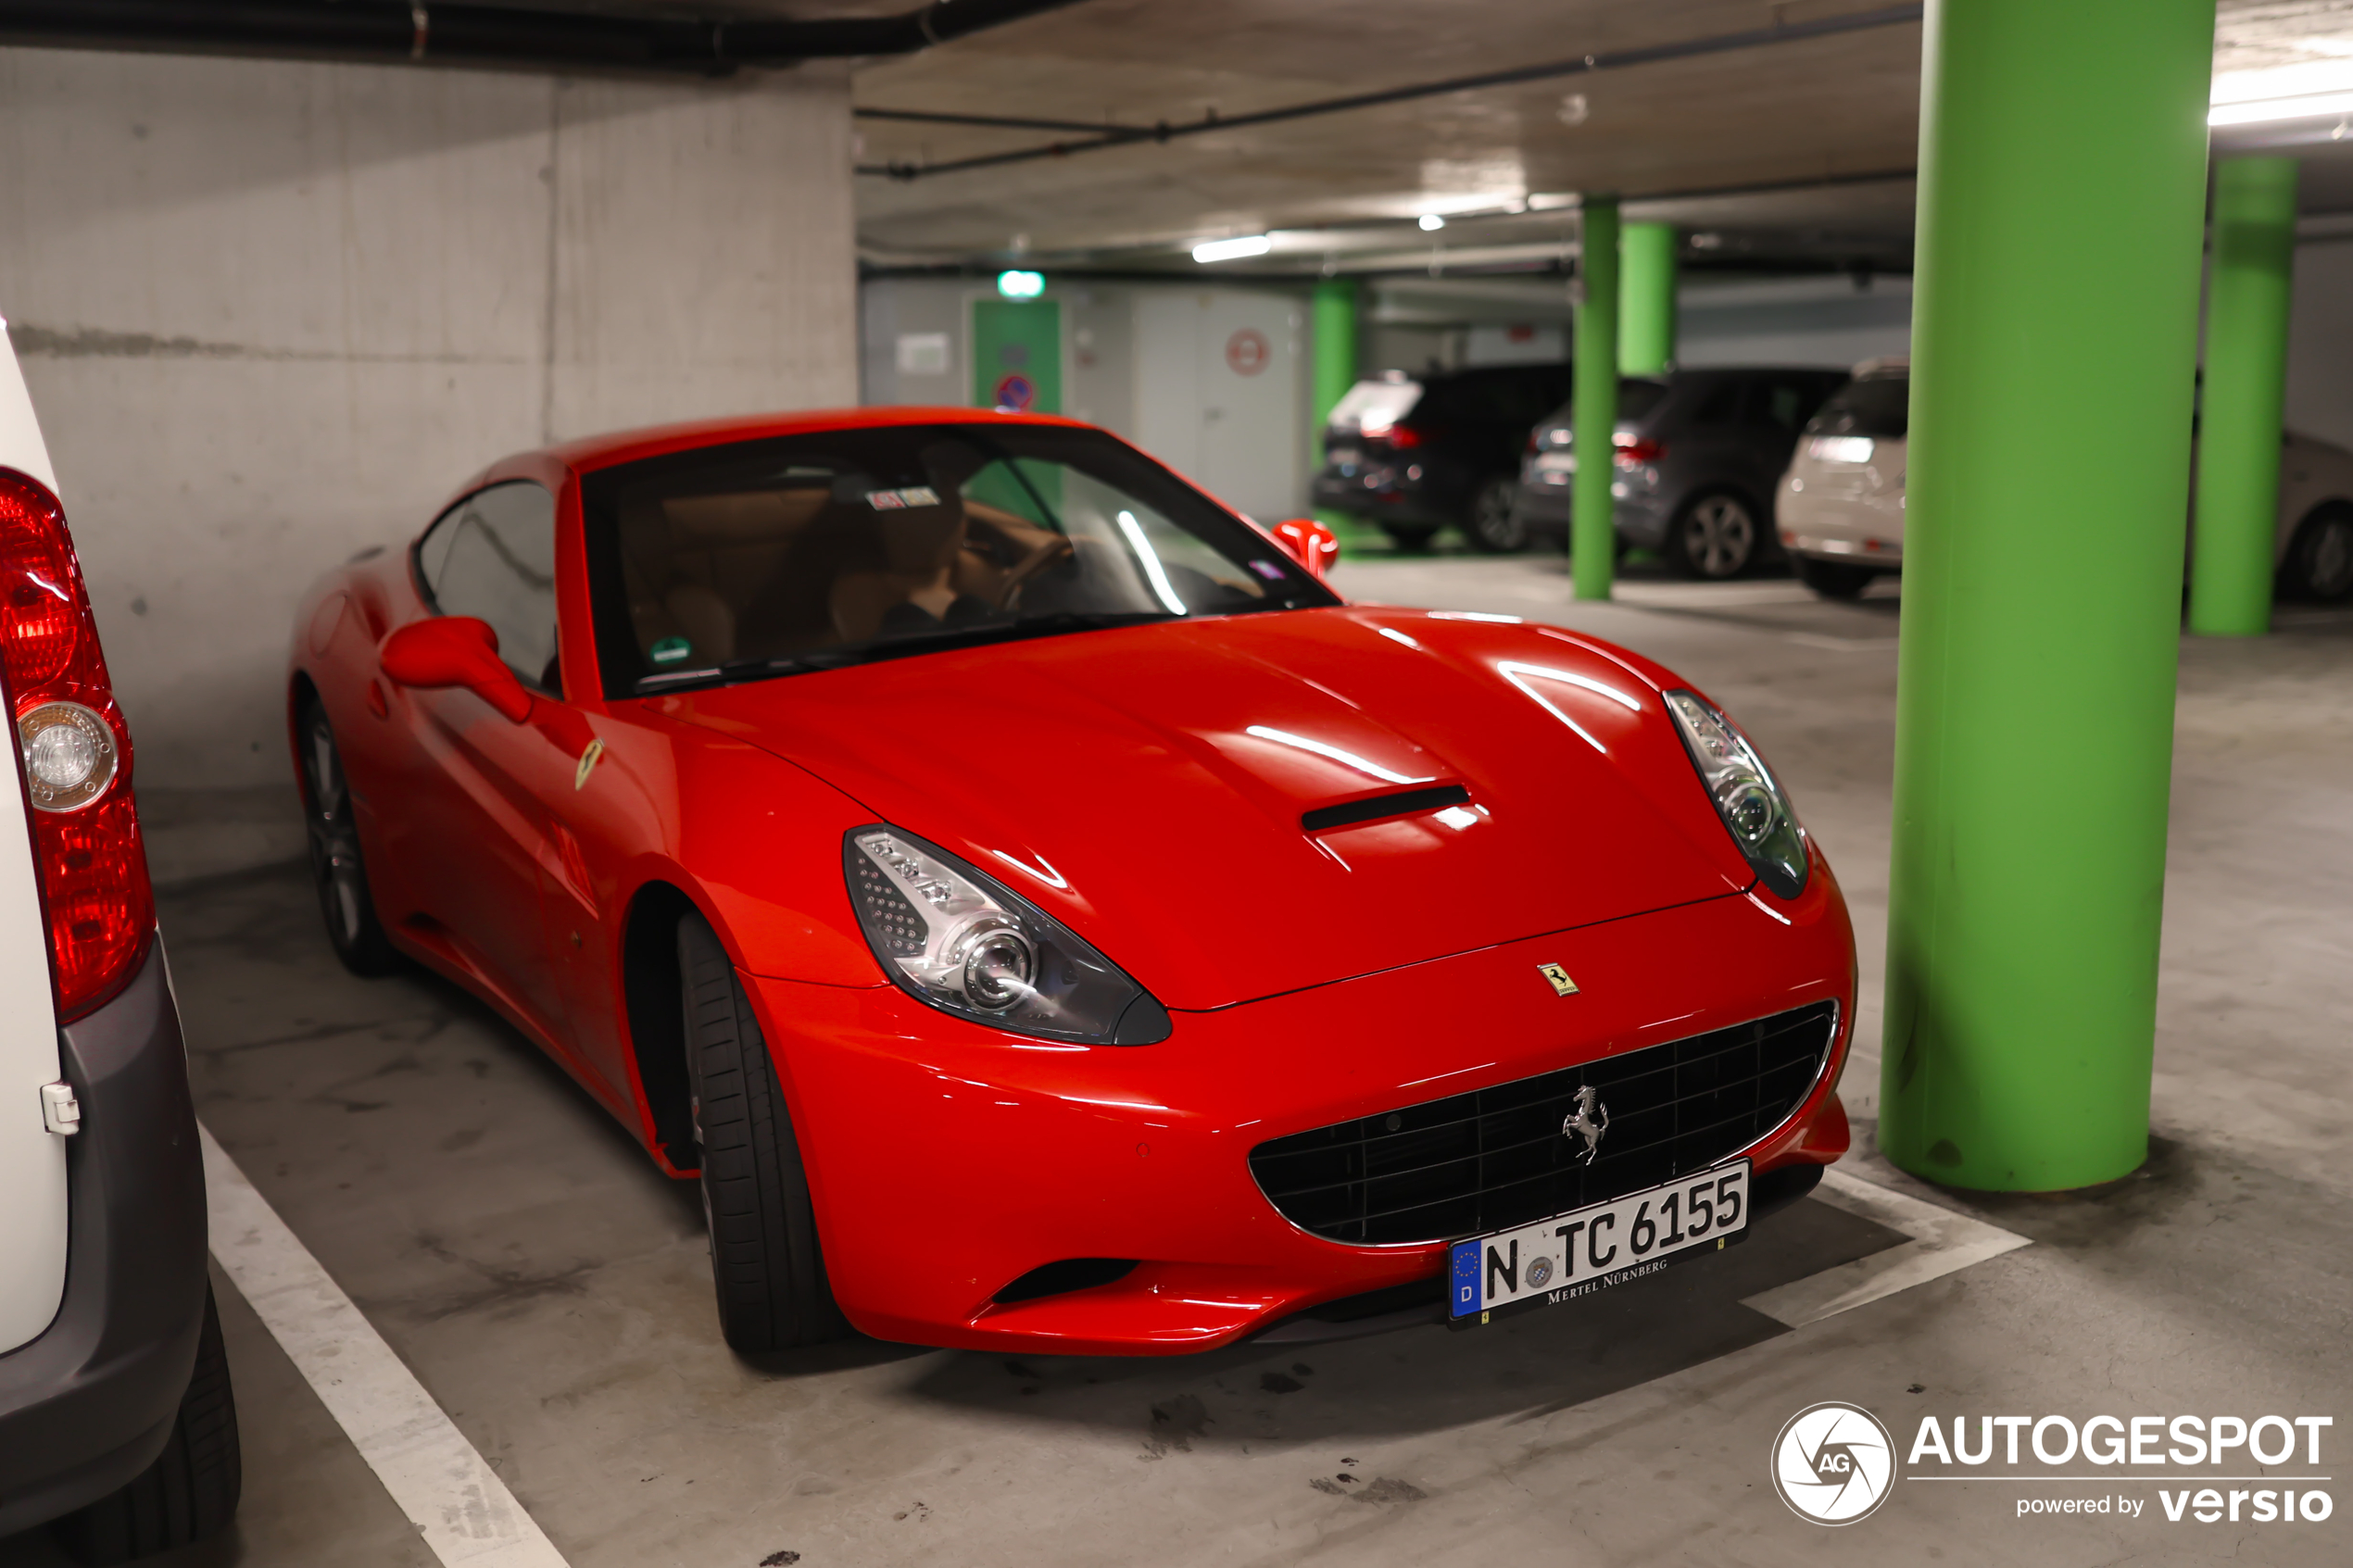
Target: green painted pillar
(1646, 300)
(2238, 448)
(2061, 204)
(1332, 331)
(1593, 545)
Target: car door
(478, 830)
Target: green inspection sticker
(670, 650)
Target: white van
(117, 1426)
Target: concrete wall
(2320, 371)
(273, 312)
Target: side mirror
(1309, 543)
(455, 650)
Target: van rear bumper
(89, 1404)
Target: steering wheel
(1018, 575)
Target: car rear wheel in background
(764, 1257)
(1833, 580)
(190, 1492)
(1715, 536)
(345, 902)
(2320, 558)
(1493, 524)
(1408, 537)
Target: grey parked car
(1698, 457)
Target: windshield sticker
(670, 650)
(894, 500)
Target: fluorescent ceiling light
(1431, 221)
(1232, 250)
(2312, 106)
(1021, 284)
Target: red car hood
(1147, 785)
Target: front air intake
(1496, 1157)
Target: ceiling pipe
(513, 37)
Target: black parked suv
(1416, 455)
(1698, 457)
(117, 1426)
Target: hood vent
(1405, 803)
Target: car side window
(493, 556)
(1721, 405)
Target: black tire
(1493, 524)
(337, 870)
(1833, 580)
(2320, 558)
(764, 1259)
(1716, 537)
(1408, 537)
(190, 1492)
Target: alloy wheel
(2328, 560)
(1495, 523)
(335, 841)
(1718, 536)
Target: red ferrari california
(1043, 915)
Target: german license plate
(1594, 1248)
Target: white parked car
(115, 1421)
(1842, 503)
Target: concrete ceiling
(1781, 154)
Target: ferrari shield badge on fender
(1562, 985)
(588, 761)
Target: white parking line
(1941, 1242)
(459, 1505)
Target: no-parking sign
(1246, 352)
(1017, 392)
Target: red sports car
(1043, 914)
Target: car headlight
(1752, 805)
(950, 937)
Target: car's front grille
(1499, 1157)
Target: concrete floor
(553, 1293)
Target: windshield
(1877, 406)
(834, 548)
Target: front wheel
(1714, 537)
(2320, 559)
(337, 870)
(764, 1257)
(1833, 580)
(190, 1492)
(1493, 524)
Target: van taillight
(76, 755)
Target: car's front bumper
(947, 1160)
(89, 1404)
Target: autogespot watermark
(1835, 1463)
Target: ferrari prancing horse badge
(1562, 983)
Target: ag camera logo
(1833, 1463)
